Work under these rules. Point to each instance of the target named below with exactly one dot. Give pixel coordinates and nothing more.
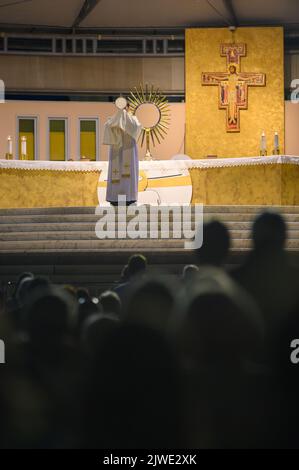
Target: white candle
(24, 145)
(9, 145)
(276, 142)
(263, 143)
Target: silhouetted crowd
(198, 361)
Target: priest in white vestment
(121, 132)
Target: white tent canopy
(147, 13)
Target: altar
(271, 180)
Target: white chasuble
(121, 132)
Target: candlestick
(263, 148)
(276, 150)
(9, 144)
(23, 148)
(8, 155)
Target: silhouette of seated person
(95, 331)
(150, 302)
(132, 400)
(110, 302)
(135, 268)
(216, 244)
(286, 357)
(267, 273)
(219, 336)
(51, 361)
(190, 272)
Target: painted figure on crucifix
(233, 84)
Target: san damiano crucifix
(233, 84)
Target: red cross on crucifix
(233, 84)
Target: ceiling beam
(86, 9)
(232, 13)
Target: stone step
(95, 270)
(69, 277)
(88, 226)
(48, 211)
(98, 270)
(102, 245)
(93, 219)
(91, 251)
(95, 277)
(61, 243)
(61, 227)
(91, 210)
(113, 236)
(28, 245)
(78, 236)
(107, 257)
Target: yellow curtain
(88, 139)
(57, 139)
(26, 129)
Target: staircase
(61, 243)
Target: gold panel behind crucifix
(233, 84)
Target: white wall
(173, 144)
(9, 111)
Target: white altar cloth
(159, 165)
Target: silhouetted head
(49, 317)
(150, 302)
(24, 275)
(216, 243)
(28, 288)
(221, 324)
(189, 272)
(95, 331)
(110, 302)
(136, 265)
(38, 284)
(22, 285)
(269, 231)
(133, 397)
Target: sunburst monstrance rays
(151, 95)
